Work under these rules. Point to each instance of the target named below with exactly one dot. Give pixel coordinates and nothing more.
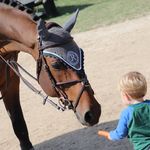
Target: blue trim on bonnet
(49, 53)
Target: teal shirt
(134, 123)
(139, 126)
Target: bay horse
(60, 68)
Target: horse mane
(22, 7)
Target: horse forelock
(21, 7)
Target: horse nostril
(89, 117)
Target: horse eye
(58, 65)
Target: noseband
(59, 86)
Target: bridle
(59, 86)
(64, 102)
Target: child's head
(134, 85)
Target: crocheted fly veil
(57, 42)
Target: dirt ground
(109, 53)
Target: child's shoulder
(147, 101)
(141, 105)
(127, 111)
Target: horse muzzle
(89, 117)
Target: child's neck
(136, 101)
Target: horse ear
(71, 22)
(42, 30)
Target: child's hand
(104, 133)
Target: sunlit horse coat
(59, 60)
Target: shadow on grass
(85, 139)
(70, 9)
(62, 10)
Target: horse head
(60, 71)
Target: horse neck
(17, 26)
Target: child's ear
(128, 97)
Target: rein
(14, 66)
(64, 102)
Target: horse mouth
(88, 119)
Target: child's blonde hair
(134, 84)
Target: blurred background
(93, 13)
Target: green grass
(96, 13)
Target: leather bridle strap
(68, 83)
(79, 95)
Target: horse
(60, 66)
